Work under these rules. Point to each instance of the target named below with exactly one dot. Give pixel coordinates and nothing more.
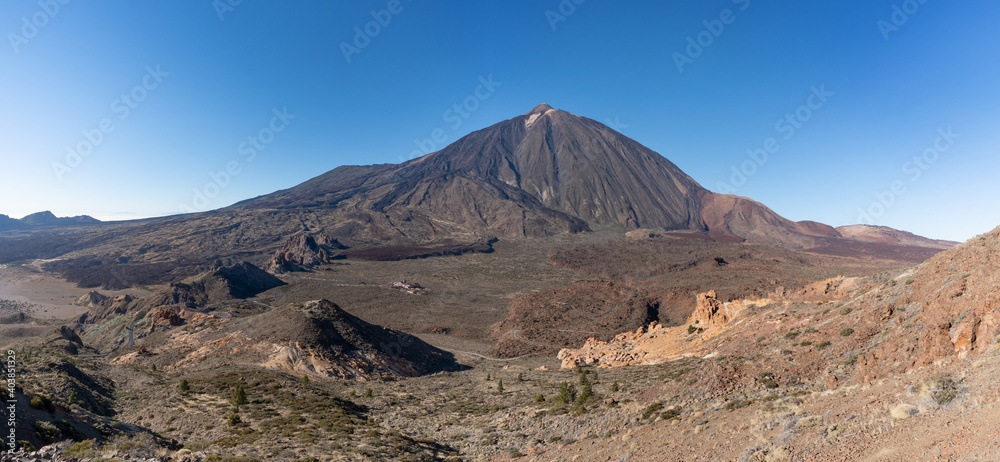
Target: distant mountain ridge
(44, 219)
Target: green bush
(822, 345)
(567, 394)
(234, 420)
(691, 329)
(846, 331)
(184, 387)
(944, 389)
(909, 281)
(792, 334)
(846, 310)
(83, 449)
(736, 404)
(42, 402)
(652, 409)
(239, 397)
(540, 398)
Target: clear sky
(155, 99)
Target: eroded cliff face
(655, 343)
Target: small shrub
(80, 450)
(846, 331)
(488, 378)
(540, 398)
(944, 389)
(652, 409)
(500, 386)
(736, 404)
(670, 414)
(810, 330)
(585, 394)
(239, 397)
(305, 380)
(42, 402)
(369, 393)
(805, 343)
(786, 352)
(846, 310)
(234, 420)
(822, 345)
(792, 334)
(614, 387)
(909, 281)
(184, 387)
(691, 329)
(567, 394)
(520, 377)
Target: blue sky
(185, 90)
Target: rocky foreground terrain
(896, 365)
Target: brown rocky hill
(887, 235)
(224, 283)
(944, 309)
(315, 338)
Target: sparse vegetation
(652, 409)
(822, 345)
(846, 311)
(567, 393)
(238, 397)
(846, 331)
(792, 334)
(184, 387)
(691, 329)
(909, 281)
(943, 388)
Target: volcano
(545, 172)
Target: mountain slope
(542, 173)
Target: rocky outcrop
(240, 281)
(303, 251)
(709, 312)
(91, 299)
(656, 343)
(317, 339)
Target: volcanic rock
(303, 251)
